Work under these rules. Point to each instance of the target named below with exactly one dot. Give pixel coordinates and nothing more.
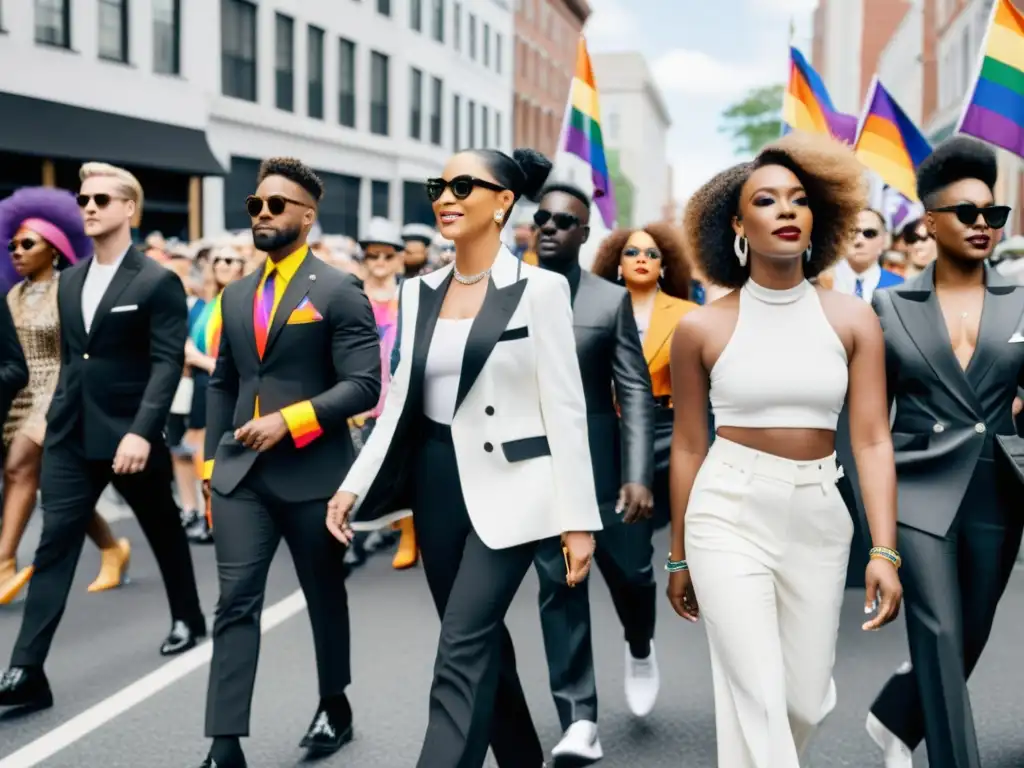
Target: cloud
(784, 6)
(696, 73)
(612, 26)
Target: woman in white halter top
(767, 535)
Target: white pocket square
(1016, 338)
(125, 308)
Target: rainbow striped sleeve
(302, 423)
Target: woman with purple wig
(43, 231)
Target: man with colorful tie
(860, 274)
(299, 355)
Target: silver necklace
(470, 279)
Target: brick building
(546, 34)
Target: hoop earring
(499, 216)
(618, 273)
(740, 247)
(807, 254)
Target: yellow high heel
(12, 581)
(114, 564)
(408, 552)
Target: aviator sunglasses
(461, 186)
(650, 253)
(102, 200)
(868, 234)
(562, 221)
(995, 215)
(275, 204)
(27, 244)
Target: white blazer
(520, 423)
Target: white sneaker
(642, 682)
(580, 741)
(895, 753)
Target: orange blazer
(658, 340)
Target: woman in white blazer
(484, 436)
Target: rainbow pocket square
(304, 313)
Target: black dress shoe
(182, 638)
(326, 735)
(209, 762)
(25, 687)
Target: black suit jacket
(614, 370)
(121, 376)
(13, 370)
(946, 418)
(334, 363)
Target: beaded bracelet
(672, 566)
(885, 553)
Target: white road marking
(98, 715)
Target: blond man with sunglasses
(861, 273)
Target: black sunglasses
(275, 204)
(913, 238)
(995, 215)
(461, 186)
(374, 256)
(226, 260)
(869, 234)
(27, 244)
(563, 221)
(102, 200)
(650, 253)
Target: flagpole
(977, 69)
(863, 118)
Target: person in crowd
(278, 446)
(44, 235)
(484, 436)
(953, 368)
(14, 375)
(621, 451)
(123, 327)
(416, 239)
(757, 521)
(860, 273)
(920, 247)
(652, 264)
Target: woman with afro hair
(954, 364)
(767, 534)
(652, 264)
(43, 231)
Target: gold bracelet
(884, 553)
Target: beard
(270, 240)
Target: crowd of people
(766, 380)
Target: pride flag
(583, 136)
(995, 111)
(806, 105)
(889, 143)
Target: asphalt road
(119, 704)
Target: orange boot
(408, 553)
(113, 567)
(12, 581)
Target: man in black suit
(299, 356)
(123, 325)
(13, 369)
(622, 452)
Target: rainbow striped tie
(263, 312)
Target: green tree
(756, 120)
(623, 187)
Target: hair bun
(536, 168)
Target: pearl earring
(499, 216)
(740, 248)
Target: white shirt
(846, 280)
(444, 369)
(97, 280)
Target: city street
(118, 704)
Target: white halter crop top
(784, 365)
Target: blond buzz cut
(129, 186)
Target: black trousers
(952, 587)
(476, 698)
(71, 485)
(250, 524)
(623, 554)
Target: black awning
(49, 129)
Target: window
(238, 49)
(380, 199)
(437, 22)
(53, 22)
(485, 139)
(456, 123)
(471, 144)
(497, 130)
(315, 72)
(347, 83)
(415, 103)
(284, 62)
(379, 96)
(167, 37)
(487, 45)
(497, 52)
(472, 37)
(436, 101)
(416, 206)
(457, 27)
(113, 39)
(416, 15)
(338, 212)
(384, 7)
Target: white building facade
(375, 95)
(901, 64)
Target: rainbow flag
(583, 133)
(889, 143)
(806, 105)
(207, 328)
(995, 111)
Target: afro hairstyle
(955, 159)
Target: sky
(705, 55)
